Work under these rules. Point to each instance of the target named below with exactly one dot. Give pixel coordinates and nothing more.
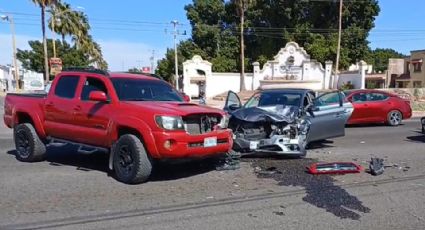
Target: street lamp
(15, 62)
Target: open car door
(233, 102)
(329, 116)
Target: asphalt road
(75, 191)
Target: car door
(377, 106)
(232, 102)
(361, 113)
(328, 117)
(92, 116)
(59, 119)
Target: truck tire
(131, 163)
(29, 147)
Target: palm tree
(43, 4)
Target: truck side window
(92, 84)
(66, 86)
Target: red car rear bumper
(184, 145)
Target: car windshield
(144, 90)
(274, 98)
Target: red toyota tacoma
(137, 119)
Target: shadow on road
(320, 144)
(418, 138)
(68, 156)
(321, 190)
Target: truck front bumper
(184, 145)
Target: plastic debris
(231, 161)
(376, 166)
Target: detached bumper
(276, 144)
(183, 145)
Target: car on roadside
(136, 119)
(375, 106)
(284, 121)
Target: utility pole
(176, 77)
(15, 62)
(338, 49)
(152, 58)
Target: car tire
(131, 163)
(394, 118)
(29, 147)
(423, 124)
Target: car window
(359, 97)
(92, 84)
(145, 90)
(253, 101)
(232, 100)
(328, 99)
(377, 97)
(66, 86)
(280, 98)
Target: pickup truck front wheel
(29, 147)
(130, 160)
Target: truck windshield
(144, 90)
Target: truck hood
(173, 108)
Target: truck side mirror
(186, 98)
(98, 96)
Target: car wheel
(29, 147)
(131, 162)
(423, 125)
(394, 118)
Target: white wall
(354, 78)
(219, 83)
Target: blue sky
(129, 31)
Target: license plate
(210, 141)
(253, 145)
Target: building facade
(413, 75)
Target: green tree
(43, 4)
(378, 58)
(33, 59)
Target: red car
(375, 106)
(137, 119)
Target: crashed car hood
(273, 114)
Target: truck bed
(38, 95)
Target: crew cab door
(59, 107)
(328, 117)
(93, 117)
(233, 102)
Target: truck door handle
(49, 104)
(77, 108)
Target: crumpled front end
(270, 131)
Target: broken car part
(376, 166)
(334, 168)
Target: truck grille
(199, 124)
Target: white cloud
(123, 55)
(6, 52)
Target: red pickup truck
(137, 119)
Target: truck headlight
(170, 122)
(224, 122)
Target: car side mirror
(98, 96)
(234, 107)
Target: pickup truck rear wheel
(29, 147)
(131, 163)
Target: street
(75, 191)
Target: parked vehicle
(284, 121)
(137, 119)
(374, 106)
